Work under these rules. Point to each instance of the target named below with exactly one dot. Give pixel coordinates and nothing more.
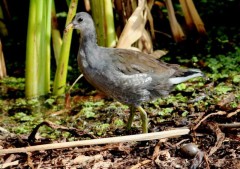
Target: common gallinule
(128, 76)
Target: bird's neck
(88, 48)
(88, 40)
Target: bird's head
(82, 21)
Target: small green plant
(222, 88)
(166, 112)
(224, 66)
(88, 112)
(101, 128)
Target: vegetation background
(219, 17)
(216, 53)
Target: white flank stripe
(177, 80)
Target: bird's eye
(80, 20)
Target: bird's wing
(132, 62)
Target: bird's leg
(144, 118)
(130, 119)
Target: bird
(128, 76)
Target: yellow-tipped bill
(68, 27)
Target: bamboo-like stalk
(87, 5)
(187, 14)
(56, 36)
(61, 73)
(150, 19)
(31, 83)
(175, 27)
(3, 71)
(41, 48)
(102, 13)
(3, 28)
(38, 49)
(4, 32)
(196, 18)
(109, 29)
(48, 47)
(97, 7)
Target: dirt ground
(210, 144)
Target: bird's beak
(68, 27)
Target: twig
(10, 158)
(206, 160)
(138, 137)
(157, 148)
(29, 160)
(233, 113)
(79, 77)
(141, 164)
(212, 114)
(230, 125)
(220, 136)
(5, 165)
(67, 96)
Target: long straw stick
(138, 137)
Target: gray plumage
(128, 76)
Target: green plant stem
(38, 49)
(61, 73)
(48, 48)
(102, 14)
(97, 7)
(41, 48)
(109, 29)
(56, 36)
(31, 82)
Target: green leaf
(181, 87)
(166, 112)
(236, 79)
(222, 89)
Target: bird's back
(133, 77)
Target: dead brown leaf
(134, 27)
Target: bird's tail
(186, 75)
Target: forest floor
(209, 107)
